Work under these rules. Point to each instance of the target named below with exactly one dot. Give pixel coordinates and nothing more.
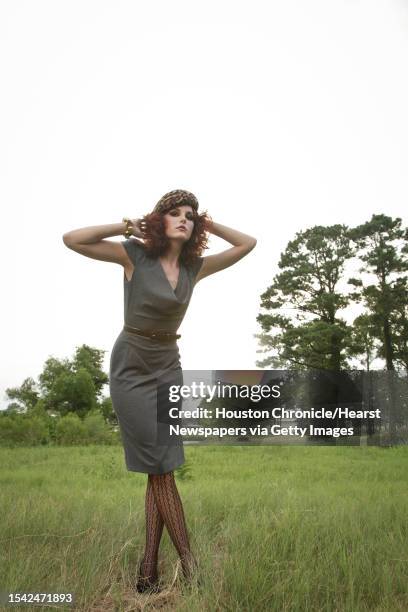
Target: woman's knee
(157, 478)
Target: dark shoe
(148, 583)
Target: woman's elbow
(67, 239)
(247, 246)
(252, 243)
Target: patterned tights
(163, 507)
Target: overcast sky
(277, 115)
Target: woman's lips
(181, 228)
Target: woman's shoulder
(135, 243)
(134, 248)
(194, 265)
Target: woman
(160, 273)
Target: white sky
(277, 115)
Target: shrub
(23, 430)
(70, 430)
(97, 432)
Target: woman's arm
(89, 241)
(243, 244)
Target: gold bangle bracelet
(129, 227)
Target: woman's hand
(139, 227)
(243, 244)
(230, 235)
(209, 223)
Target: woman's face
(179, 223)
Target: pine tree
(302, 327)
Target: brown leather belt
(157, 334)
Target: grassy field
(274, 528)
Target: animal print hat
(177, 197)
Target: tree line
(65, 406)
(324, 271)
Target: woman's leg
(171, 509)
(154, 530)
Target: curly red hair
(156, 241)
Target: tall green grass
(274, 528)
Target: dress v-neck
(165, 276)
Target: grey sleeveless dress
(139, 364)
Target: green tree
(67, 385)
(399, 323)
(381, 245)
(74, 392)
(91, 360)
(364, 343)
(302, 327)
(106, 408)
(53, 368)
(26, 395)
(13, 408)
